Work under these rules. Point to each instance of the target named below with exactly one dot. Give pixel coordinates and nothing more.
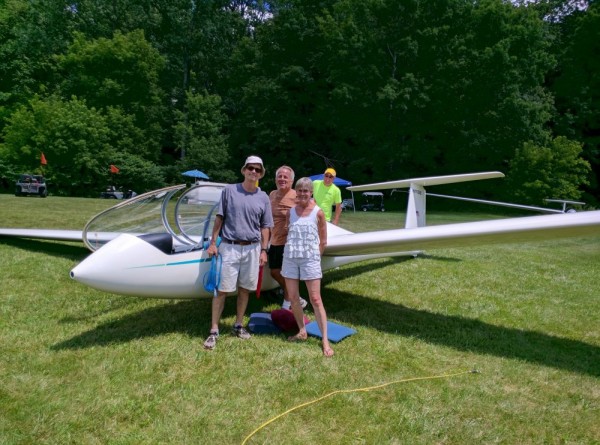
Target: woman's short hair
(304, 183)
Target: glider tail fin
(415, 211)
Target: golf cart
(372, 201)
(31, 185)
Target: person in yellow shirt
(327, 195)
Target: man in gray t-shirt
(243, 221)
(243, 213)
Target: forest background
(380, 89)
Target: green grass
(80, 366)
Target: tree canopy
(380, 89)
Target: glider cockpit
(173, 219)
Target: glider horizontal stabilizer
(415, 211)
(425, 182)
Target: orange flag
(113, 169)
(43, 159)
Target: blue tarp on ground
(337, 181)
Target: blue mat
(261, 323)
(335, 332)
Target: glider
(154, 245)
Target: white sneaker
(288, 305)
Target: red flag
(113, 169)
(43, 159)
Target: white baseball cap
(254, 160)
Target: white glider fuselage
(129, 265)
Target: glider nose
(130, 265)
(78, 272)
(107, 268)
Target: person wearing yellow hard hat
(327, 195)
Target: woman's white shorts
(301, 269)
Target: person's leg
(293, 287)
(276, 274)
(216, 310)
(287, 301)
(229, 271)
(242, 304)
(314, 292)
(218, 303)
(275, 264)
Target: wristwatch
(266, 250)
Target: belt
(241, 243)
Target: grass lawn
(79, 366)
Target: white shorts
(240, 266)
(301, 269)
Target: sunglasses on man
(254, 169)
(329, 176)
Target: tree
(201, 130)
(393, 89)
(77, 142)
(73, 137)
(278, 91)
(576, 85)
(30, 34)
(554, 171)
(120, 73)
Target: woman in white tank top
(306, 241)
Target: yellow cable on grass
(345, 391)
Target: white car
(31, 185)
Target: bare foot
(300, 336)
(327, 351)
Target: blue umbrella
(337, 181)
(195, 174)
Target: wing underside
(57, 235)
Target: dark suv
(31, 185)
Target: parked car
(348, 204)
(31, 185)
(112, 192)
(372, 201)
